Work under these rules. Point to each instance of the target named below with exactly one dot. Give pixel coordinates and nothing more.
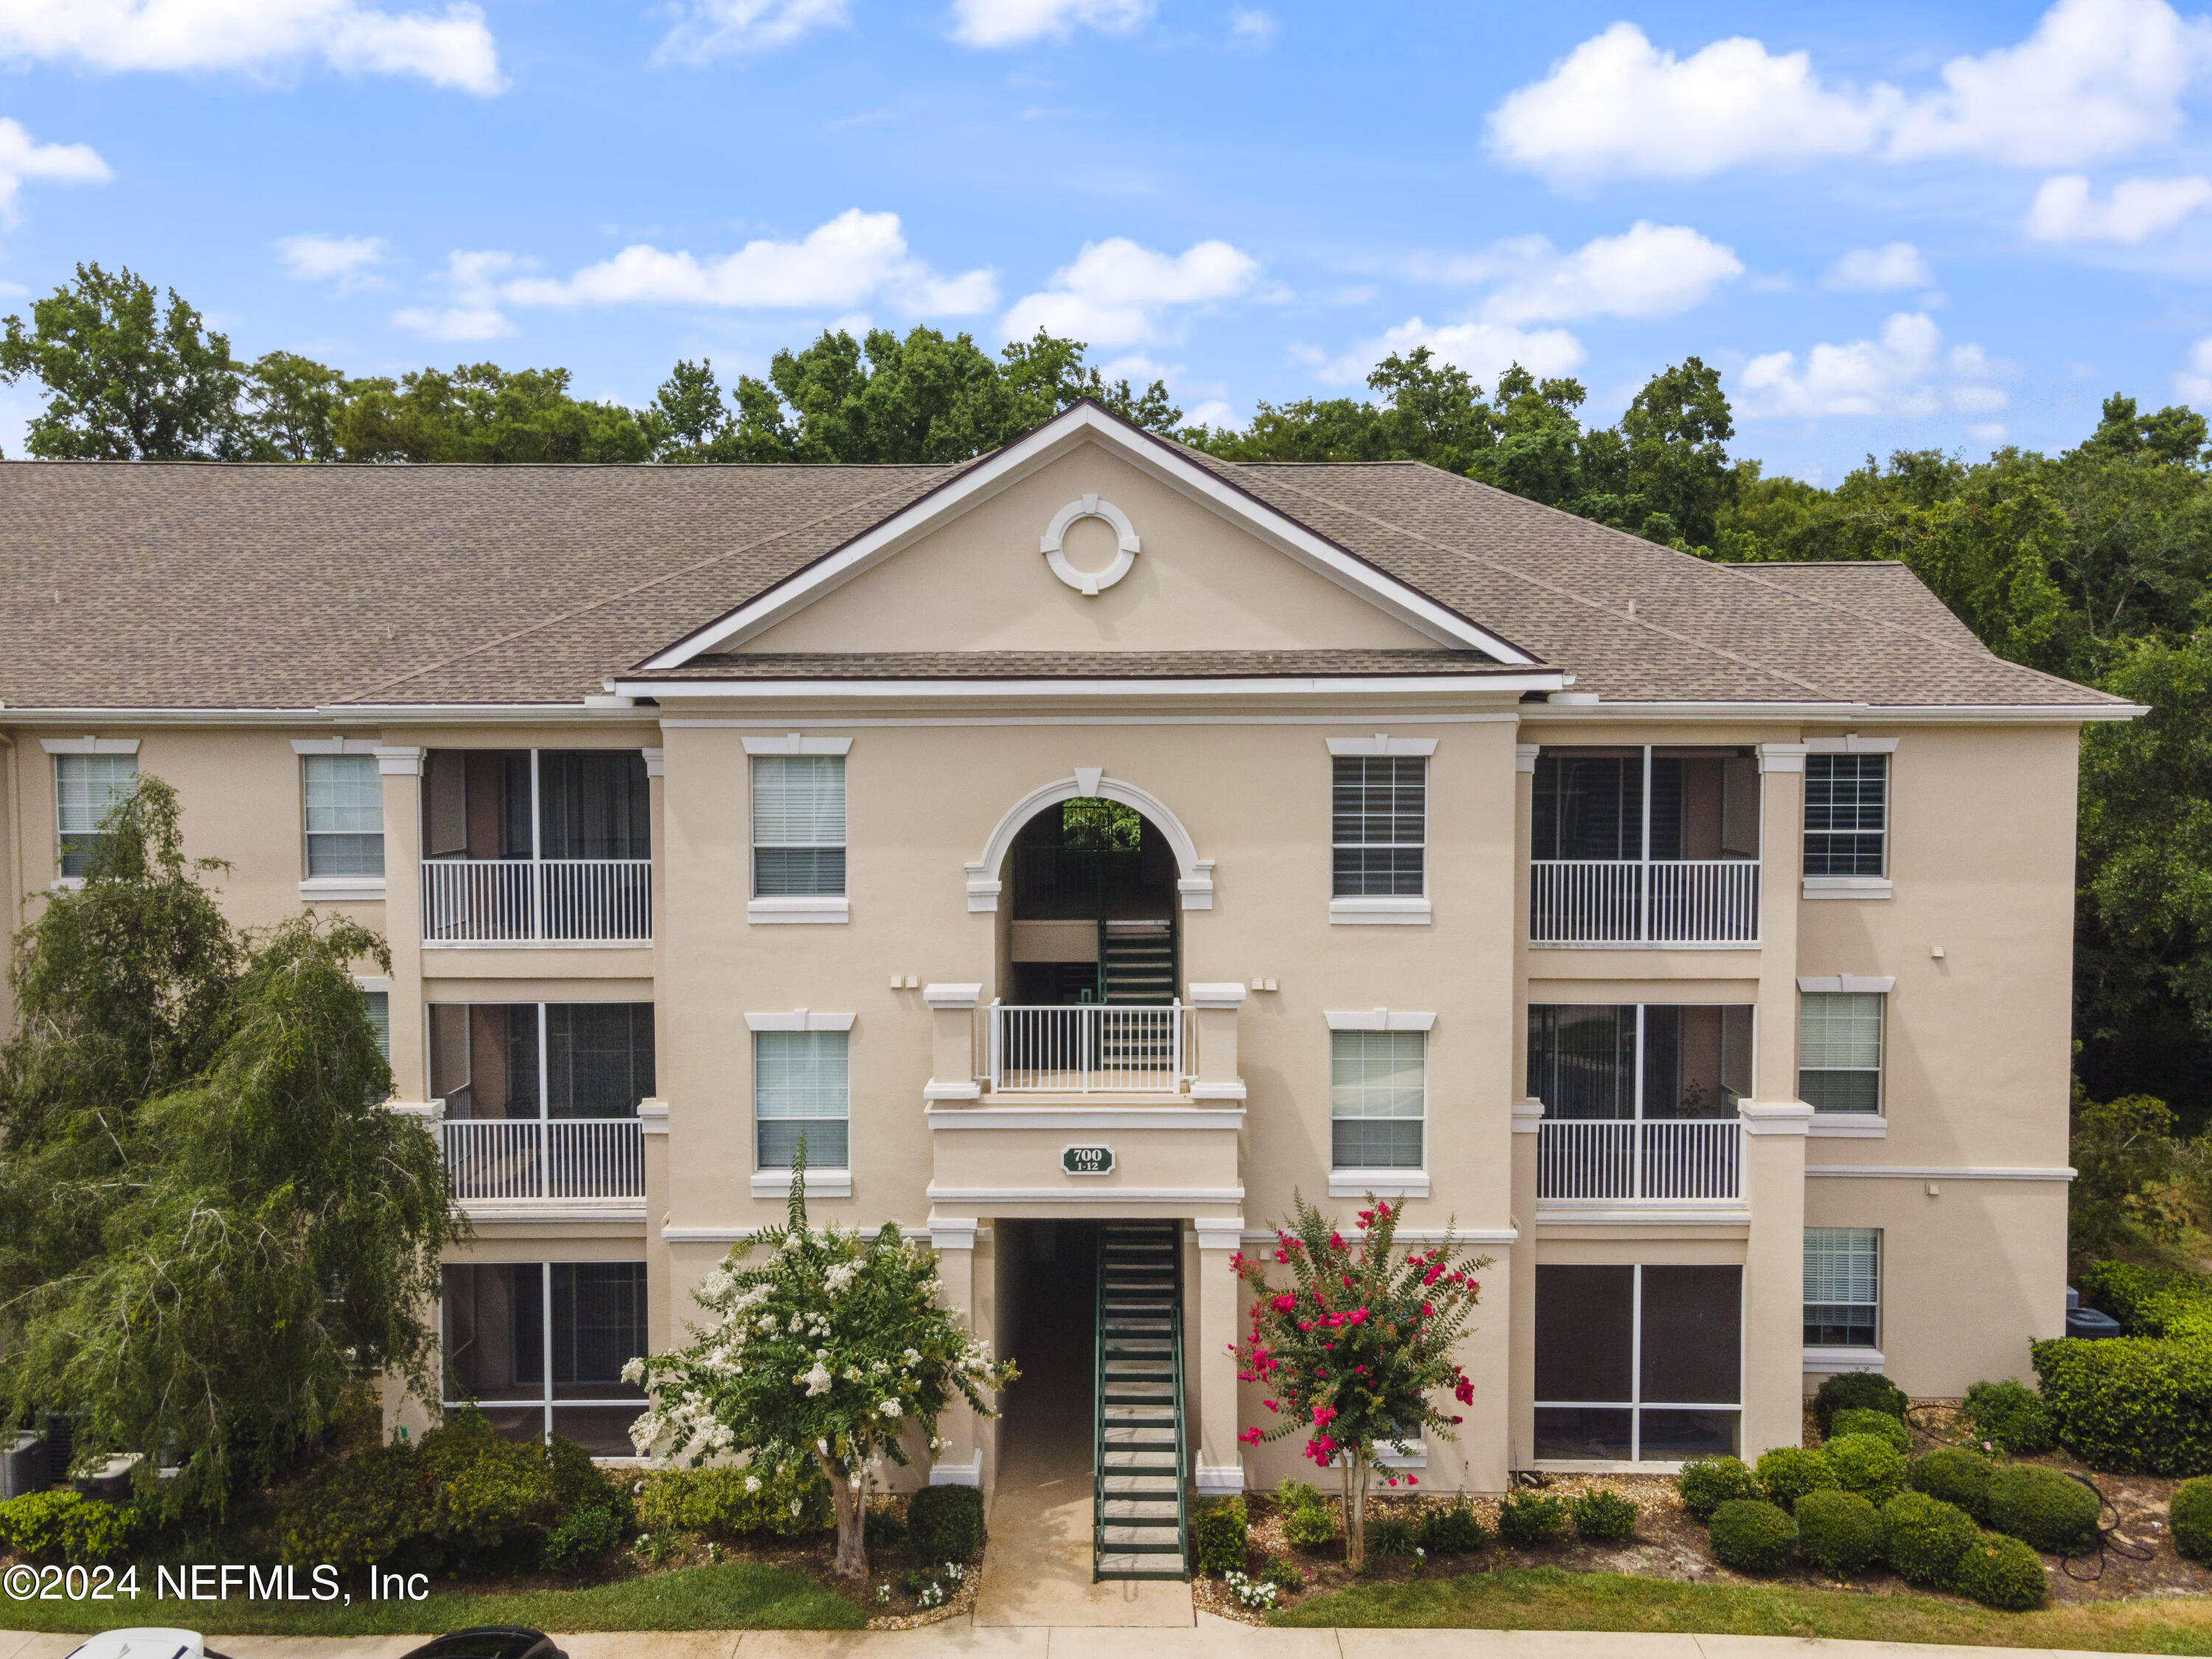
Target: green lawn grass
(1547, 1598)
(734, 1596)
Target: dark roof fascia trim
(1515, 682)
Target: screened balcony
(1639, 1101)
(541, 1099)
(1651, 846)
(535, 847)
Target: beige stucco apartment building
(1693, 938)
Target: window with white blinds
(1839, 1050)
(380, 1020)
(1378, 1097)
(799, 1088)
(344, 804)
(87, 788)
(798, 824)
(1843, 1286)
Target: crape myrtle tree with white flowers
(832, 1348)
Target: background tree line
(2092, 564)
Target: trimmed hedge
(730, 1502)
(1525, 1518)
(1603, 1517)
(66, 1528)
(2190, 1515)
(1218, 1532)
(1311, 1526)
(1453, 1529)
(1956, 1474)
(2043, 1507)
(1853, 1391)
(1880, 1425)
(1839, 1532)
(946, 1524)
(1788, 1473)
(2150, 1301)
(2002, 1572)
(1752, 1536)
(2134, 1404)
(1871, 1467)
(2011, 1417)
(1923, 1537)
(1706, 1483)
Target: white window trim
(798, 743)
(89, 745)
(1848, 1125)
(1847, 887)
(1855, 887)
(1830, 1361)
(335, 745)
(1383, 1183)
(826, 1182)
(1381, 910)
(820, 1183)
(334, 890)
(1382, 744)
(1385, 910)
(1378, 1019)
(1851, 1123)
(799, 1019)
(1851, 744)
(831, 908)
(1840, 983)
(331, 890)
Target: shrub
(1873, 1469)
(1453, 1528)
(367, 1508)
(2150, 1301)
(1880, 1425)
(1753, 1536)
(2132, 1406)
(2011, 1417)
(1283, 1573)
(1603, 1517)
(2002, 1572)
(1525, 1517)
(882, 1529)
(580, 1539)
(1217, 1533)
(1296, 1494)
(1311, 1526)
(1706, 1483)
(946, 1524)
(1839, 1531)
(1856, 1390)
(488, 1489)
(2190, 1515)
(732, 1502)
(1788, 1473)
(2044, 1507)
(65, 1528)
(1923, 1538)
(1956, 1475)
(1392, 1534)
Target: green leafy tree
(481, 412)
(289, 410)
(2119, 1149)
(211, 1228)
(1354, 1349)
(832, 1349)
(127, 379)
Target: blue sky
(1888, 225)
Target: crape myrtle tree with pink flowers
(1353, 1349)
(834, 1348)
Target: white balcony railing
(537, 900)
(581, 1158)
(1087, 1048)
(1638, 902)
(1635, 1160)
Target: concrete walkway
(1207, 1638)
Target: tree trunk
(1355, 1508)
(849, 1501)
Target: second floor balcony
(1639, 1160)
(1090, 1048)
(577, 1160)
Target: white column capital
(1780, 756)
(1524, 755)
(1776, 1117)
(653, 1117)
(656, 762)
(1216, 994)
(429, 1113)
(1217, 1232)
(953, 1232)
(399, 761)
(1528, 1116)
(952, 996)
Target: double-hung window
(1379, 1098)
(1379, 826)
(1840, 1051)
(87, 788)
(800, 1091)
(1847, 815)
(1843, 1286)
(798, 825)
(344, 804)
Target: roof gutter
(1824, 713)
(1272, 686)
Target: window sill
(820, 1183)
(331, 889)
(1379, 910)
(1847, 887)
(1417, 1458)
(1383, 1183)
(1829, 1361)
(69, 883)
(812, 908)
(1848, 1125)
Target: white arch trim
(1194, 875)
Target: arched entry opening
(1091, 902)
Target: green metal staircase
(1138, 1507)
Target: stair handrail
(1099, 1416)
(1183, 1434)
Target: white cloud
(452, 49)
(721, 29)
(474, 279)
(1484, 350)
(1987, 432)
(1017, 22)
(1251, 29)
(21, 158)
(2136, 209)
(854, 258)
(2193, 384)
(1117, 294)
(1648, 271)
(1880, 270)
(348, 260)
(2096, 79)
(1905, 372)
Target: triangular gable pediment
(1151, 551)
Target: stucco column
(1521, 1291)
(401, 771)
(1210, 1360)
(1774, 1275)
(1782, 858)
(959, 1461)
(402, 1409)
(1215, 1069)
(953, 1065)
(660, 1282)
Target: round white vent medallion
(1088, 582)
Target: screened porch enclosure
(1639, 1100)
(535, 847)
(541, 1099)
(539, 1347)
(1638, 1362)
(1644, 846)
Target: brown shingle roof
(179, 586)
